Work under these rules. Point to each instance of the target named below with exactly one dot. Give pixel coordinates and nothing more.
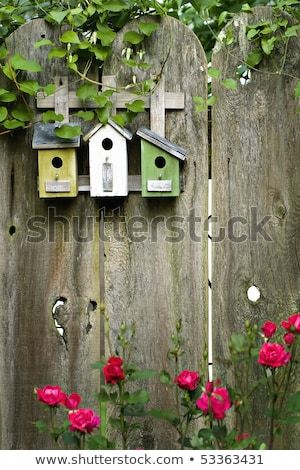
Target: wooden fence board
(255, 164)
(155, 282)
(35, 274)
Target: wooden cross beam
(158, 102)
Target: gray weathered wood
(172, 100)
(156, 281)
(157, 108)
(256, 174)
(61, 97)
(36, 269)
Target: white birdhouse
(108, 160)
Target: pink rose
(72, 401)
(292, 323)
(187, 380)
(289, 338)
(83, 420)
(112, 371)
(273, 355)
(217, 402)
(51, 395)
(269, 328)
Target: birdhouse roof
(45, 138)
(124, 132)
(162, 143)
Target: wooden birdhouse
(57, 162)
(108, 160)
(160, 165)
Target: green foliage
(90, 29)
(67, 132)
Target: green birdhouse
(57, 162)
(160, 165)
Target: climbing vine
(88, 30)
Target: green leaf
(297, 90)
(115, 423)
(229, 38)
(268, 45)
(293, 404)
(86, 115)
(71, 439)
(140, 397)
(121, 120)
(252, 33)
(67, 132)
(41, 426)
(7, 97)
(43, 42)
(101, 100)
(254, 58)
(133, 37)
(31, 87)
(136, 106)
(86, 92)
(3, 52)
(51, 116)
(22, 113)
(214, 73)
(246, 8)
(165, 378)
(238, 342)
(166, 415)
(70, 37)
(12, 124)
(20, 63)
(201, 103)
(230, 84)
(223, 17)
(212, 100)
(292, 31)
(103, 114)
(114, 5)
(3, 113)
(84, 45)
(58, 16)
(6, 69)
(147, 28)
(105, 34)
(142, 374)
(98, 365)
(57, 52)
(49, 89)
(101, 53)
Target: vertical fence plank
(150, 278)
(256, 174)
(37, 267)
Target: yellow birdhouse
(57, 162)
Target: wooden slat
(154, 282)
(172, 101)
(61, 97)
(157, 108)
(36, 271)
(256, 174)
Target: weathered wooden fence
(153, 282)
(256, 174)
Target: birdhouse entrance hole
(107, 144)
(160, 162)
(57, 162)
